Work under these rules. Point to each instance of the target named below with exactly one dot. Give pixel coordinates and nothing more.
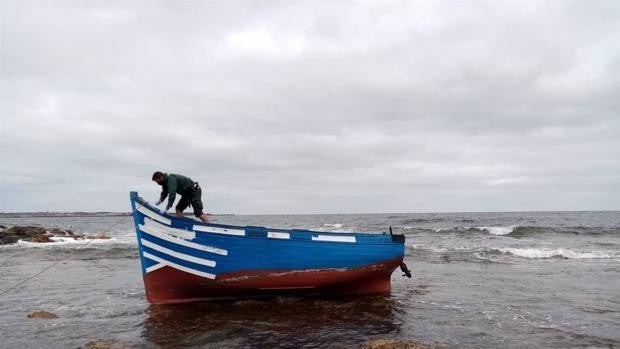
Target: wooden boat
(184, 260)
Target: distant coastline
(62, 214)
(81, 214)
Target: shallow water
(481, 280)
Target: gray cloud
(304, 107)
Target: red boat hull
(168, 285)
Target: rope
(58, 261)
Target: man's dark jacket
(175, 183)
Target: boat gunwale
(382, 237)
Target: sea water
(480, 280)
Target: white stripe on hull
(155, 267)
(278, 235)
(215, 230)
(152, 214)
(179, 267)
(180, 233)
(177, 241)
(334, 238)
(178, 255)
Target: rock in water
(40, 238)
(13, 234)
(40, 234)
(41, 314)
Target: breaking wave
(335, 228)
(521, 231)
(333, 225)
(436, 254)
(563, 253)
(499, 230)
(112, 248)
(69, 242)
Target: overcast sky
(312, 106)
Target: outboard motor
(403, 266)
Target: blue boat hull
(184, 260)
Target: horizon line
(51, 213)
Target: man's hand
(157, 203)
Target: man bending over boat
(190, 191)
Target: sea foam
(499, 230)
(69, 242)
(493, 230)
(334, 228)
(541, 253)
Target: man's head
(159, 177)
